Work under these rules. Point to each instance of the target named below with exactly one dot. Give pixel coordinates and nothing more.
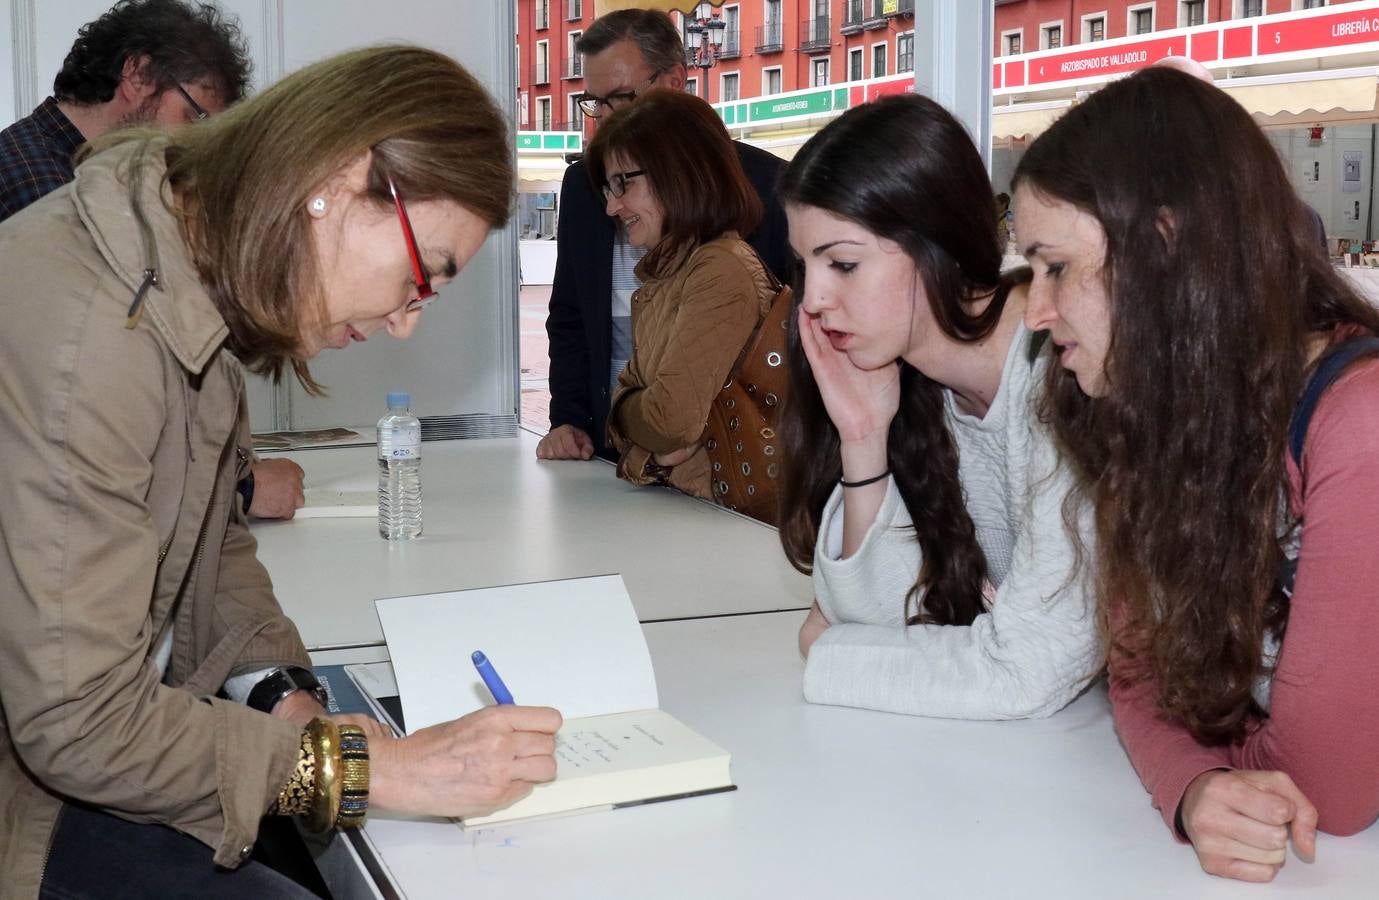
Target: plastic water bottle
(399, 470)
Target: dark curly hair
(184, 43)
(932, 197)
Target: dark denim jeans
(97, 855)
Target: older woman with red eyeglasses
(157, 703)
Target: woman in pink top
(1177, 274)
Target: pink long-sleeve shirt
(1323, 724)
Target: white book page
(322, 502)
(605, 761)
(575, 645)
(636, 740)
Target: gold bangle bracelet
(325, 800)
(295, 797)
(354, 777)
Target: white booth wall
(461, 363)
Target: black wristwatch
(283, 681)
(245, 489)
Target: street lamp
(705, 36)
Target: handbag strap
(750, 345)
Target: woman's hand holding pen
(470, 766)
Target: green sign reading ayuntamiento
(798, 105)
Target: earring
(318, 206)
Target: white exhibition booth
(833, 802)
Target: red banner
(1103, 60)
(1319, 32)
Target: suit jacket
(581, 316)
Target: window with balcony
(731, 87)
(905, 52)
(732, 33)
(1013, 41)
(852, 16)
(1249, 8)
(541, 73)
(770, 81)
(1141, 20)
(574, 9)
(543, 14)
(543, 113)
(874, 14)
(815, 36)
(1192, 12)
(1051, 37)
(878, 60)
(769, 39)
(574, 60)
(1313, 4)
(1094, 29)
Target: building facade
(769, 47)
(1308, 70)
(1024, 26)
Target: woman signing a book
(670, 175)
(157, 703)
(1217, 404)
(921, 490)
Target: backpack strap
(1332, 364)
(1329, 368)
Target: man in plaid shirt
(145, 62)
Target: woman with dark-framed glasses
(157, 702)
(670, 176)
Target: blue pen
(489, 674)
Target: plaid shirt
(36, 157)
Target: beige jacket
(118, 523)
(688, 328)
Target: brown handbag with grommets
(743, 433)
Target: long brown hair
(246, 176)
(905, 169)
(1216, 282)
(690, 164)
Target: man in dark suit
(626, 53)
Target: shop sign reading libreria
(1311, 33)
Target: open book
(575, 645)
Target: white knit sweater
(1036, 648)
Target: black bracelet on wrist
(865, 481)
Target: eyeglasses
(197, 111)
(589, 104)
(616, 185)
(424, 293)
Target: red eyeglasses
(424, 292)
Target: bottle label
(400, 442)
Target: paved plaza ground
(533, 358)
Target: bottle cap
(399, 398)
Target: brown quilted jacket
(688, 327)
